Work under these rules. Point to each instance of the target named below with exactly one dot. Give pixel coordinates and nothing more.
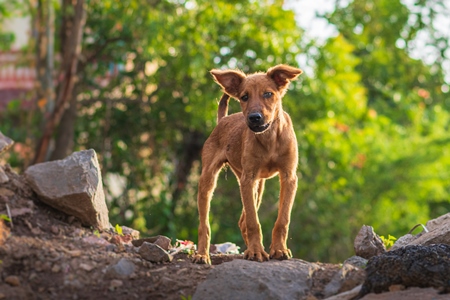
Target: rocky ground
(47, 254)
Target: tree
(72, 19)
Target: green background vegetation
(372, 122)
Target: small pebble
(56, 268)
(54, 229)
(115, 283)
(12, 280)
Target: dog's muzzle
(255, 121)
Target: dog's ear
(282, 75)
(229, 80)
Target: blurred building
(17, 71)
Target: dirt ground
(46, 254)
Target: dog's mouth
(259, 128)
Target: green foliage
(118, 229)
(5, 217)
(371, 148)
(389, 241)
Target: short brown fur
(257, 143)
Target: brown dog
(257, 143)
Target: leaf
(5, 217)
(119, 229)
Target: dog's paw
(256, 255)
(280, 254)
(201, 259)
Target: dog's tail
(223, 107)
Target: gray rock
(160, 240)
(347, 278)
(403, 241)
(154, 253)
(123, 268)
(368, 243)
(356, 261)
(243, 279)
(3, 177)
(72, 185)
(438, 233)
(130, 231)
(5, 143)
(438, 223)
(348, 295)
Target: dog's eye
(244, 98)
(267, 95)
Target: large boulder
(410, 266)
(243, 279)
(72, 185)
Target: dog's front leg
(206, 186)
(278, 248)
(255, 248)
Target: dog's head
(259, 94)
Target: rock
(163, 242)
(438, 223)
(123, 268)
(72, 185)
(403, 241)
(92, 239)
(121, 239)
(356, 261)
(56, 268)
(12, 280)
(3, 177)
(6, 192)
(243, 279)
(410, 266)
(154, 253)
(347, 278)
(86, 267)
(438, 233)
(160, 240)
(348, 295)
(4, 232)
(115, 283)
(130, 231)
(368, 243)
(5, 143)
(15, 212)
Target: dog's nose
(255, 118)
